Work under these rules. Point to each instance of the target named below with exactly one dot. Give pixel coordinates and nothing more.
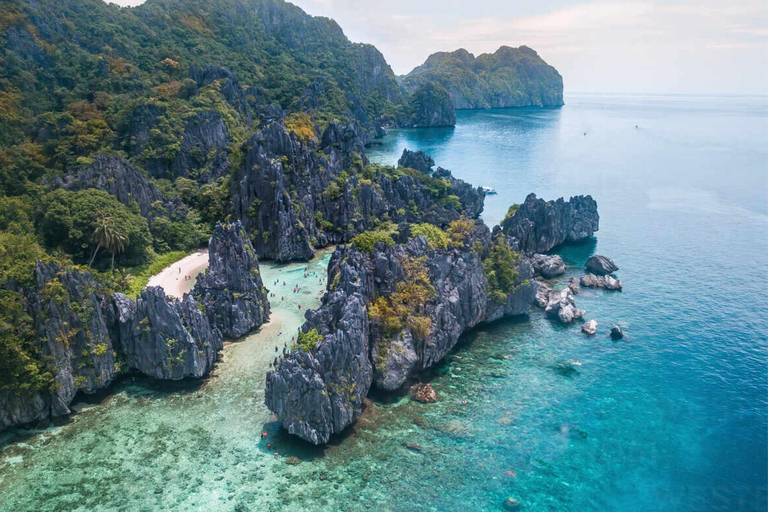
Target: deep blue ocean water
(672, 418)
(676, 413)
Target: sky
(614, 46)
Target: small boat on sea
(489, 190)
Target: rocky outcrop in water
(231, 291)
(601, 265)
(88, 335)
(294, 195)
(386, 316)
(538, 226)
(606, 282)
(590, 327)
(558, 304)
(548, 266)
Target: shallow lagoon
(671, 418)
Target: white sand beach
(179, 278)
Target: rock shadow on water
(577, 253)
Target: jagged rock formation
(607, 282)
(163, 337)
(538, 226)
(68, 307)
(601, 265)
(118, 177)
(548, 266)
(295, 194)
(431, 107)
(558, 304)
(374, 330)
(418, 160)
(231, 290)
(510, 77)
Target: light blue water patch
(672, 418)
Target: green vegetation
(301, 125)
(70, 222)
(401, 308)
(500, 270)
(308, 340)
(367, 240)
(436, 237)
(512, 211)
(23, 369)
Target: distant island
(510, 77)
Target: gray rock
(601, 265)
(558, 304)
(590, 327)
(231, 290)
(165, 338)
(548, 266)
(418, 160)
(538, 225)
(607, 282)
(318, 394)
(118, 177)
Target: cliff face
(163, 337)
(386, 316)
(510, 77)
(295, 194)
(538, 226)
(118, 177)
(231, 291)
(431, 107)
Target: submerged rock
(231, 291)
(548, 266)
(607, 282)
(601, 265)
(616, 333)
(424, 393)
(590, 327)
(512, 505)
(538, 225)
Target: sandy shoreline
(172, 278)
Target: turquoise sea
(672, 418)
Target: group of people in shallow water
(296, 289)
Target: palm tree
(118, 244)
(109, 236)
